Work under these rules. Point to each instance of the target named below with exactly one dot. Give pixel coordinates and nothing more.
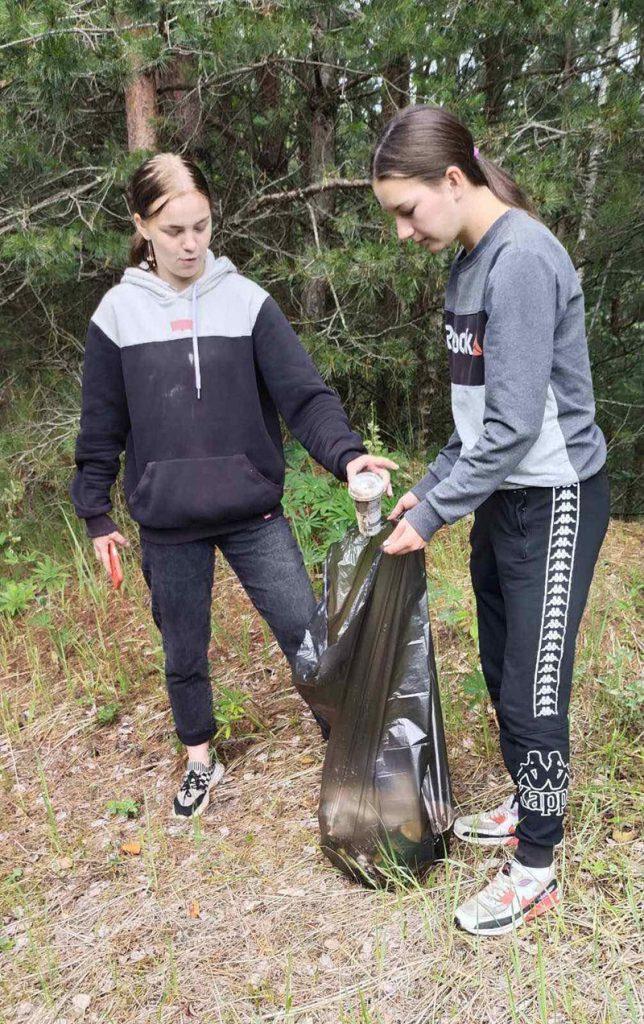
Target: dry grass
(238, 918)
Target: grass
(237, 918)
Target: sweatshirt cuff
(424, 486)
(345, 459)
(99, 526)
(424, 519)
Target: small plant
(108, 713)
(232, 706)
(128, 808)
(624, 685)
(48, 575)
(373, 438)
(454, 608)
(15, 596)
(23, 581)
(474, 688)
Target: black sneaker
(194, 792)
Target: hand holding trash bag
(403, 541)
(408, 500)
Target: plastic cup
(367, 489)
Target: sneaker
(491, 828)
(515, 896)
(194, 792)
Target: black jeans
(533, 556)
(269, 565)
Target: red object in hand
(115, 566)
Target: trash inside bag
(366, 668)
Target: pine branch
(76, 31)
(273, 198)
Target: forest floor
(113, 911)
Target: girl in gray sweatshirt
(526, 457)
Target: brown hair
(422, 142)
(163, 176)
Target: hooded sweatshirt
(191, 384)
(522, 394)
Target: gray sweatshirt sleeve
(521, 304)
(440, 467)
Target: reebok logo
(465, 340)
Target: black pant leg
(269, 565)
(547, 541)
(180, 579)
(490, 607)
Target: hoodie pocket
(197, 492)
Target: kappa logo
(556, 598)
(543, 782)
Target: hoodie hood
(166, 294)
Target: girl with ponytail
(526, 456)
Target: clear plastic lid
(366, 486)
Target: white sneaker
(194, 793)
(491, 828)
(515, 896)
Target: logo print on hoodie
(181, 325)
(464, 333)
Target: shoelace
(507, 807)
(193, 778)
(499, 884)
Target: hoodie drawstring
(195, 342)
(170, 298)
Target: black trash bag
(366, 668)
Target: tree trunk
(321, 157)
(140, 112)
(178, 83)
(271, 149)
(492, 52)
(598, 146)
(395, 88)
(140, 103)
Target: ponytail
(505, 187)
(422, 142)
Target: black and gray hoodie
(190, 383)
(522, 394)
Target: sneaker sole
(548, 900)
(216, 777)
(477, 840)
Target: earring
(150, 257)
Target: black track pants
(533, 556)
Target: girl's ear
(138, 223)
(455, 180)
